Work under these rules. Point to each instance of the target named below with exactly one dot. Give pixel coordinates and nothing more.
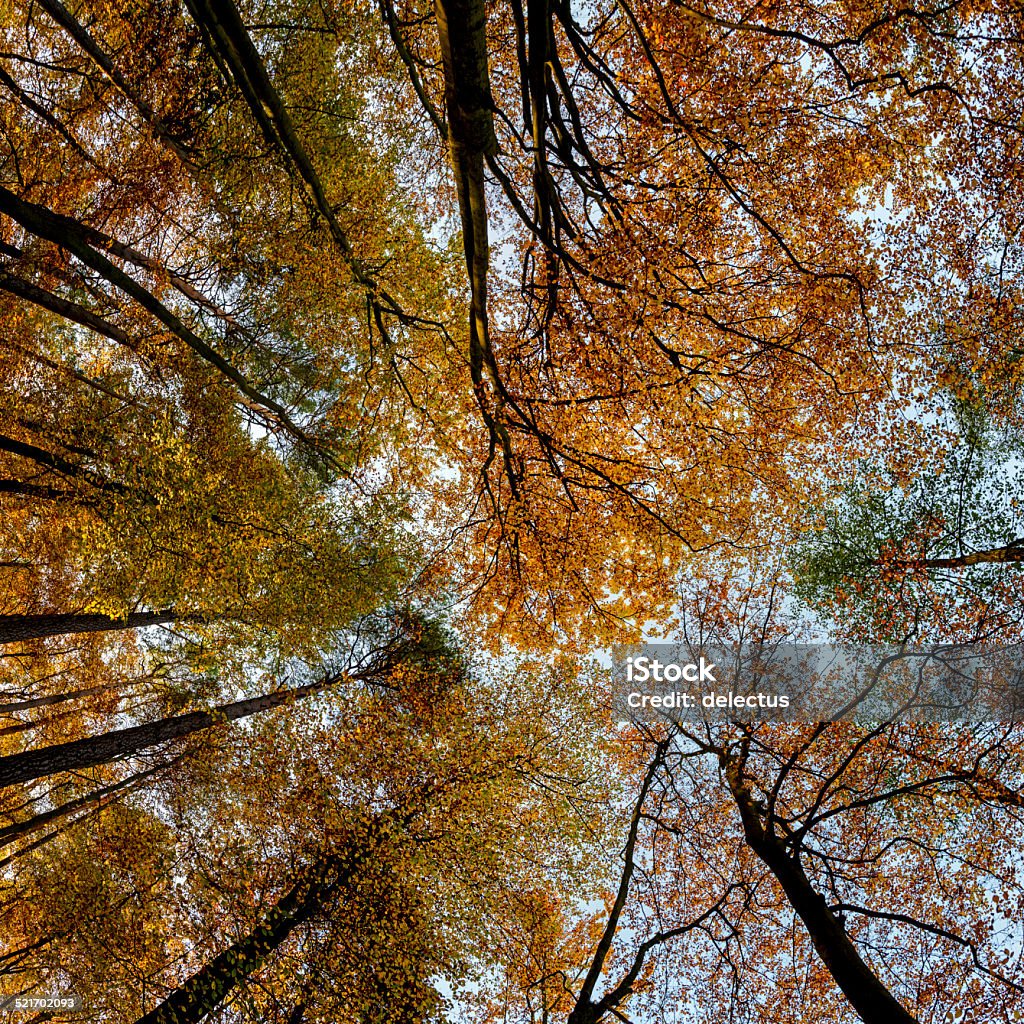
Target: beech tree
(564, 323)
(856, 866)
(373, 810)
(711, 292)
(710, 295)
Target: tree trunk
(62, 307)
(54, 698)
(16, 628)
(122, 743)
(54, 463)
(872, 1001)
(26, 490)
(75, 238)
(204, 991)
(462, 33)
(98, 798)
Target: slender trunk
(74, 237)
(10, 730)
(98, 798)
(10, 961)
(63, 17)
(63, 307)
(40, 456)
(318, 884)
(872, 1001)
(53, 698)
(29, 847)
(586, 1010)
(16, 628)
(229, 43)
(121, 743)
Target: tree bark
(54, 698)
(1007, 555)
(17, 628)
(462, 33)
(73, 237)
(26, 490)
(872, 1001)
(229, 42)
(63, 17)
(63, 307)
(56, 464)
(319, 883)
(98, 798)
(121, 743)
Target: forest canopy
(371, 367)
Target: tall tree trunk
(462, 34)
(319, 883)
(97, 799)
(872, 1001)
(122, 743)
(10, 730)
(41, 457)
(54, 698)
(76, 238)
(16, 628)
(27, 490)
(28, 848)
